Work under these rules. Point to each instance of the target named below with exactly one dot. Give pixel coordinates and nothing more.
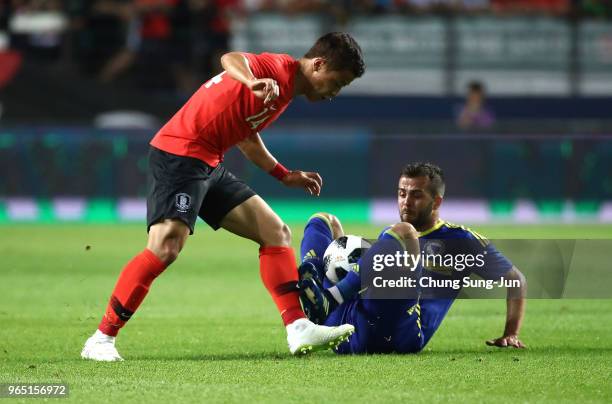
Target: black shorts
(184, 188)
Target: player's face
(414, 201)
(325, 84)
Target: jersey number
(215, 80)
(254, 120)
(258, 119)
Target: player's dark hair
(429, 170)
(341, 51)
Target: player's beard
(423, 217)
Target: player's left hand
(266, 89)
(507, 341)
(312, 182)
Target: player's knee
(285, 235)
(166, 240)
(279, 234)
(167, 250)
(405, 231)
(334, 222)
(169, 253)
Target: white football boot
(304, 336)
(101, 347)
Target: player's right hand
(311, 182)
(506, 341)
(265, 89)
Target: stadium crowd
(183, 39)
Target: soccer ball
(342, 255)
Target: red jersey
(224, 111)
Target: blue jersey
(387, 325)
(448, 239)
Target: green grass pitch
(208, 332)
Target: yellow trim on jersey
(481, 239)
(324, 219)
(435, 227)
(397, 237)
(410, 312)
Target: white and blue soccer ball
(341, 256)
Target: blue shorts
(381, 326)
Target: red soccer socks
(279, 276)
(130, 290)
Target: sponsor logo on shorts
(183, 202)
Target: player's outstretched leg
(166, 239)
(255, 220)
(320, 230)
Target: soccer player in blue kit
(405, 325)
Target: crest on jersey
(433, 247)
(183, 202)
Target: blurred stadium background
(512, 98)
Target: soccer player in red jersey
(187, 179)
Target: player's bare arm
(515, 312)
(255, 150)
(237, 66)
